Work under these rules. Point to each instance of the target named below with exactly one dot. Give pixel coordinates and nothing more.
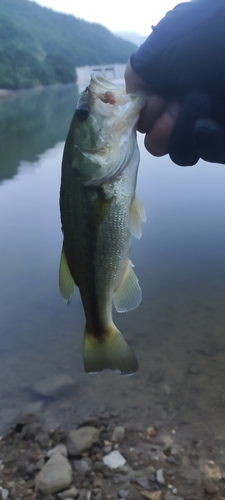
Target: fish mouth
(108, 97)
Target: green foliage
(40, 47)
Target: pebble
(193, 369)
(90, 421)
(213, 471)
(26, 419)
(30, 431)
(123, 493)
(118, 433)
(152, 495)
(54, 386)
(209, 487)
(160, 476)
(56, 475)
(114, 460)
(60, 448)
(81, 466)
(82, 439)
(65, 495)
(42, 439)
(4, 493)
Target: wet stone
(81, 466)
(82, 439)
(55, 476)
(30, 431)
(59, 448)
(160, 476)
(123, 493)
(42, 439)
(118, 433)
(54, 386)
(71, 493)
(114, 460)
(90, 422)
(26, 419)
(209, 487)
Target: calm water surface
(178, 331)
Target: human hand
(181, 66)
(158, 116)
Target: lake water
(178, 331)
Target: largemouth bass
(99, 212)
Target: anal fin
(128, 295)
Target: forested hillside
(41, 47)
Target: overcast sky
(116, 15)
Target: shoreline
(106, 458)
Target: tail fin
(111, 352)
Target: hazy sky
(116, 15)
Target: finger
(151, 111)
(182, 148)
(133, 81)
(157, 140)
(209, 138)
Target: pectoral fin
(137, 216)
(66, 282)
(128, 296)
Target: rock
(107, 449)
(81, 466)
(56, 475)
(160, 476)
(98, 465)
(213, 471)
(151, 431)
(82, 439)
(193, 369)
(31, 469)
(123, 493)
(40, 464)
(118, 433)
(152, 495)
(33, 407)
(30, 431)
(71, 493)
(143, 482)
(26, 419)
(209, 487)
(42, 439)
(60, 448)
(54, 386)
(90, 421)
(84, 494)
(114, 460)
(4, 493)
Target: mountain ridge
(39, 46)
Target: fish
(99, 213)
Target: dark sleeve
(186, 51)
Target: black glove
(184, 58)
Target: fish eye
(82, 112)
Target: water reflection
(178, 330)
(33, 122)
